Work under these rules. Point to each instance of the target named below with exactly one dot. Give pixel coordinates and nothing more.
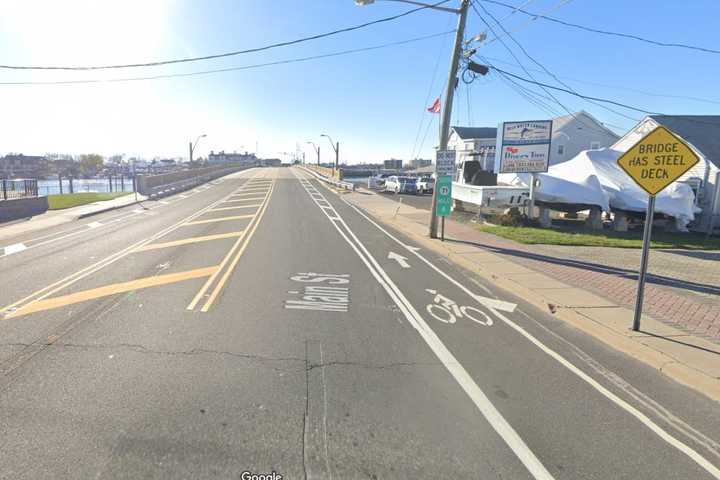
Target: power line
(605, 32)
(226, 54)
(548, 72)
(571, 92)
(617, 87)
(557, 6)
(229, 69)
(683, 118)
(515, 56)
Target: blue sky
(372, 102)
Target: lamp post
(317, 151)
(450, 86)
(193, 145)
(336, 147)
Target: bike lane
(576, 427)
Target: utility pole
(448, 101)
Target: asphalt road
(263, 324)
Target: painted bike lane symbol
(448, 311)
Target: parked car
(401, 184)
(425, 185)
(378, 181)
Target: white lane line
(644, 419)
(14, 248)
(481, 401)
(94, 224)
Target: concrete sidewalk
(599, 308)
(53, 218)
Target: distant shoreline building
(23, 166)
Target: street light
(317, 151)
(193, 145)
(449, 86)
(336, 147)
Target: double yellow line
(226, 267)
(25, 305)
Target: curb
(109, 209)
(664, 363)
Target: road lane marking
(107, 290)
(15, 248)
(402, 261)
(94, 225)
(110, 259)
(210, 280)
(235, 260)
(99, 265)
(243, 194)
(467, 383)
(244, 199)
(235, 207)
(187, 241)
(644, 419)
(221, 219)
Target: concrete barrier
(22, 208)
(346, 185)
(156, 186)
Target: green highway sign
(443, 185)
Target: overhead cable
(226, 54)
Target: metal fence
(18, 188)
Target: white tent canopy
(594, 178)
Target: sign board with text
(443, 187)
(445, 163)
(524, 146)
(657, 160)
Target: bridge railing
(11, 189)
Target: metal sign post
(656, 161)
(443, 187)
(647, 233)
(531, 208)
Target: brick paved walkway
(685, 292)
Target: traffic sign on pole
(657, 160)
(443, 185)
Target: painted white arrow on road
(399, 258)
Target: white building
(474, 143)
(571, 134)
(702, 133)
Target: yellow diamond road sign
(657, 160)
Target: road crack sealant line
(463, 378)
(641, 417)
(85, 272)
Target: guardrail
(11, 189)
(340, 184)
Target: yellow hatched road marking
(240, 240)
(244, 199)
(235, 260)
(244, 194)
(220, 209)
(187, 241)
(107, 290)
(221, 219)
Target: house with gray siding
(572, 134)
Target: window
(561, 149)
(594, 145)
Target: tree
(90, 164)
